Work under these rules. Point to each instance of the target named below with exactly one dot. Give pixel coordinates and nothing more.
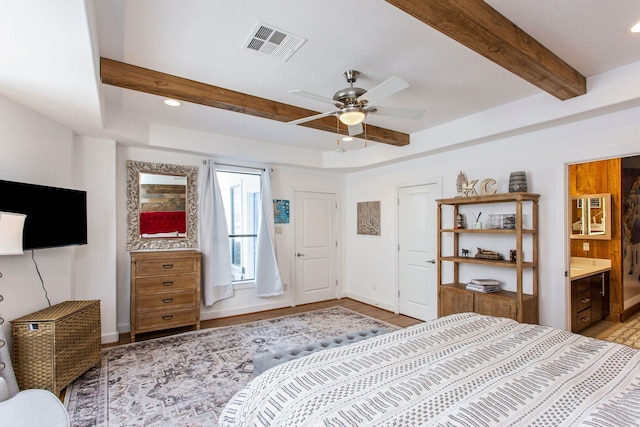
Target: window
(241, 198)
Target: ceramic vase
(517, 182)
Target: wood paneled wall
(162, 198)
(603, 176)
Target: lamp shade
(11, 227)
(353, 117)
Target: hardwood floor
(602, 330)
(366, 309)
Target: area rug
(186, 379)
(629, 333)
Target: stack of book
(483, 285)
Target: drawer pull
(167, 300)
(167, 317)
(585, 319)
(167, 266)
(167, 283)
(585, 300)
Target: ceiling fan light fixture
(352, 118)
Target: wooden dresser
(165, 290)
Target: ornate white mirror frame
(135, 241)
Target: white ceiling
(51, 50)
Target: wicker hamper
(54, 346)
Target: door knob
(299, 254)
(431, 261)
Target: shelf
(503, 294)
(486, 230)
(454, 297)
(494, 198)
(496, 263)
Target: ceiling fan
(354, 103)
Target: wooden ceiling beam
(128, 76)
(478, 26)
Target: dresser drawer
(166, 300)
(164, 267)
(584, 319)
(151, 285)
(163, 319)
(584, 300)
(581, 286)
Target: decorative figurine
(465, 253)
(487, 254)
(459, 221)
(460, 183)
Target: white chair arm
(34, 408)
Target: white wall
(95, 268)
(284, 181)
(541, 154)
(38, 151)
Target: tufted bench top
(269, 360)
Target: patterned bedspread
(460, 370)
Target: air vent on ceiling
(274, 42)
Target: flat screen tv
(55, 216)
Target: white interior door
(417, 246)
(315, 246)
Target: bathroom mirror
(162, 206)
(591, 216)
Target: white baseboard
(371, 301)
(109, 338)
(244, 310)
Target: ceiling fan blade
(313, 96)
(310, 118)
(399, 112)
(355, 129)
(386, 88)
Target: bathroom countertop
(583, 267)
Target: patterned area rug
(186, 379)
(629, 333)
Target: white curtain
(268, 281)
(214, 238)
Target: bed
(460, 370)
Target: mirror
(591, 216)
(162, 206)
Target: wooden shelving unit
(454, 298)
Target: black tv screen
(55, 216)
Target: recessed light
(635, 28)
(172, 102)
(347, 139)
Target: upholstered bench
(269, 360)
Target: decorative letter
(484, 184)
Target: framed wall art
(369, 218)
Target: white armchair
(27, 408)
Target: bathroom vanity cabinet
(589, 300)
